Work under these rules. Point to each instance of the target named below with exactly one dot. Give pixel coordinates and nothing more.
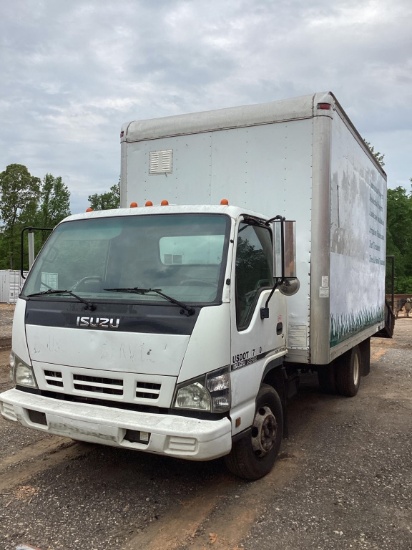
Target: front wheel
(253, 456)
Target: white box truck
(179, 323)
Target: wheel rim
(264, 431)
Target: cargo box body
(301, 158)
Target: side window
(254, 270)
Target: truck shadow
(117, 465)
(108, 493)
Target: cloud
(74, 72)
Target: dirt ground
(6, 319)
(343, 480)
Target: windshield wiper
(88, 304)
(136, 290)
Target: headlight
(23, 373)
(206, 393)
(193, 396)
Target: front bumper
(181, 437)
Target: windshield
(181, 255)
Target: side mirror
(284, 255)
(284, 249)
(284, 260)
(289, 287)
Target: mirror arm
(264, 311)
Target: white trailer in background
(11, 283)
(178, 326)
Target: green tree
(399, 237)
(19, 192)
(54, 206)
(105, 201)
(54, 201)
(28, 202)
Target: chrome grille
(97, 384)
(53, 378)
(147, 390)
(114, 386)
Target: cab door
(254, 341)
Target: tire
(365, 349)
(348, 372)
(253, 456)
(326, 379)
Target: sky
(73, 71)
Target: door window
(254, 270)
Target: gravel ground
(355, 486)
(343, 480)
(6, 320)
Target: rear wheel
(253, 456)
(348, 372)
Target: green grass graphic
(346, 325)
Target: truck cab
(143, 328)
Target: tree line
(399, 238)
(28, 201)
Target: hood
(113, 351)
